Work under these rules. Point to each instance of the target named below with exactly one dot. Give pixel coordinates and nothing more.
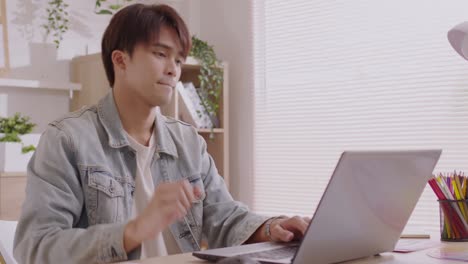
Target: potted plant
(211, 77)
(57, 20)
(14, 155)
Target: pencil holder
(453, 220)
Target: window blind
(353, 75)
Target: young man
(119, 181)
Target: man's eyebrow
(166, 47)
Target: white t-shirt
(164, 243)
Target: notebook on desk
(362, 212)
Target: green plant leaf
(115, 7)
(10, 137)
(26, 149)
(57, 18)
(104, 12)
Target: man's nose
(171, 68)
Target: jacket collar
(110, 120)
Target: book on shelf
(192, 110)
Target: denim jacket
(80, 188)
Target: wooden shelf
(192, 64)
(39, 84)
(13, 174)
(6, 53)
(12, 194)
(207, 130)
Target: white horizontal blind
(353, 75)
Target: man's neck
(137, 118)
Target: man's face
(154, 68)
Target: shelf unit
(89, 71)
(12, 194)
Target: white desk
(418, 257)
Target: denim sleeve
(53, 206)
(225, 222)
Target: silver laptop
(363, 210)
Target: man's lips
(167, 84)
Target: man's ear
(119, 59)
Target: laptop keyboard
(277, 253)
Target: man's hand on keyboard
(288, 229)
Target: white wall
(33, 56)
(227, 25)
(42, 106)
(27, 37)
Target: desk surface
(417, 257)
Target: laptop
(362, 213)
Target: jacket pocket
(104, 182)
(105, 198)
